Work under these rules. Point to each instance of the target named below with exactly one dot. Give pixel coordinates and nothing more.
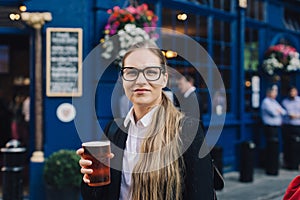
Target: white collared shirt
(189, 91)
(136, 134)
(292, 107)
(272, 112)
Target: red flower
(141, 16)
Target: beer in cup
(98, 152)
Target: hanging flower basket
(130, 25)
(281, 57)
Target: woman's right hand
(85, 170)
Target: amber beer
(98, 152)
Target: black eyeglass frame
(161, 69)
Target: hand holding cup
(95, 162)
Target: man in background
(291, 129)
(188, 99)
(272, 113)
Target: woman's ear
(165, 79)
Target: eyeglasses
(150, 73)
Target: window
(251, 63)
(292, 20)
(255, 10)
(222, 55)
(220, 48)
(222, 4)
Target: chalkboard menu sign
(64, 62)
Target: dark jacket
(191, 105)
(198, 181)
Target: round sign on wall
(65, 112)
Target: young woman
(161, 146)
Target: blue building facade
(234, 35)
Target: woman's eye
(131, 72)
(151, 72)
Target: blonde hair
(159, 171)
(151, 46)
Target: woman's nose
(141, 78)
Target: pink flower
(131, 9)
(112, 31)
(112, 18)
(141, 16)
(153, 24)
(116, 8)
(147, 29)
(107, 27)
(155, 35)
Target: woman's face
(142, 92)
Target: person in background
(272, 113)
(17, 119)
(291, 126)
(26, 109)
(189, 100)
(26, 113)
(152, 124)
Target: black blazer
(198, 180)
(189, 104)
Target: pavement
(263, 187)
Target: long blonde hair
(158, 174)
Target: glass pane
(193, 24)
(222, 4)
(222, 31)
(196, 26)
(222, 55)
(167, 18)
(203, 27)
(227, 56)
(180, 25)
(204, 45)
(226, 76)
(255, 9)
(251, 59)
(292, 20)
(217, 54)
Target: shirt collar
(145, 121)
(189, 91)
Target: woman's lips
(141, 91)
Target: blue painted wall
(90, 16)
